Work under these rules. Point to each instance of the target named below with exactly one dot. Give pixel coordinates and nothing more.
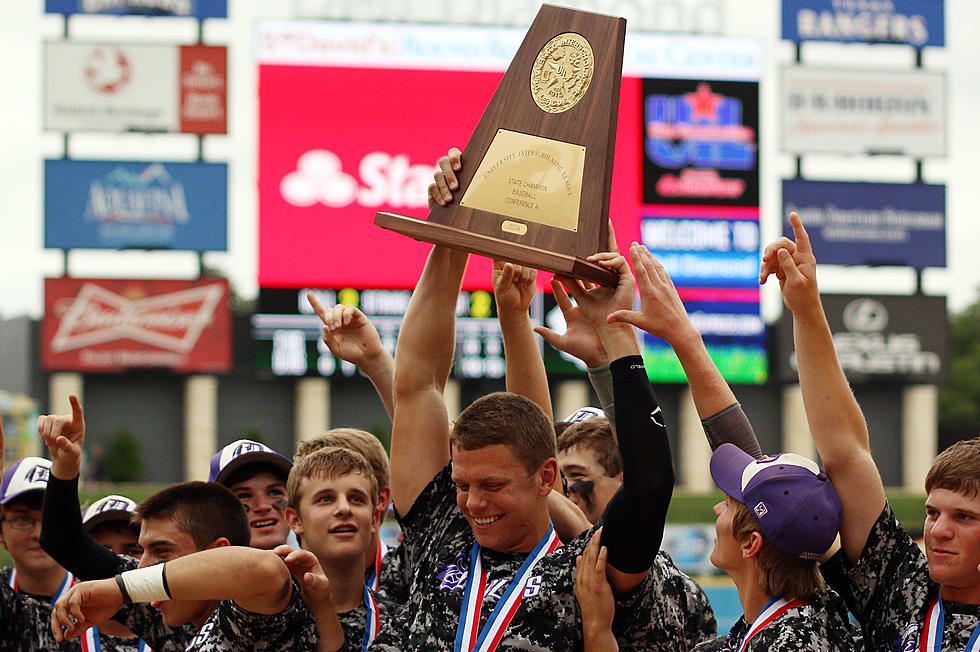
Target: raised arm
(662, 314)
(834, 416)
(513, 289)
(214, 574)
(351, 337)
(423, 360)
(634, 518)
(62, 534)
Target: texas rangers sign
(100, 325)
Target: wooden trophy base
(515, 252)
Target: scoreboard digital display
(289, 342)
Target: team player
(256, 474)
(35, 580)
(332, 494)
(477, 530)
(385, 570)
(904, 599)
(780, 513)
(109, 521)
(174, 522)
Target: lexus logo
(865, 316)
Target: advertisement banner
(108, 325)
(907, 22)
(289, 336)
(132, 205)
(870, 223)
(863, 112)
(329, 159)
(117, 87)
(880, 337)
(199, 9)
(701, 142)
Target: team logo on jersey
(909, 641)
(452, 577)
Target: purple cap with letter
(795, 505)
(24, 475)
(239, 453)
(583, 414)
(110, 508)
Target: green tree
(959, 397)
(124, 459)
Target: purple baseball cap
(24, 475)
(795, 505)
(110, 508)
(239, 453)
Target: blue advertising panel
(199, 9)
(135, 205)
(870, 223)
(700, 142)
(909, 22)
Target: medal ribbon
(932, 630)
(467, 638)
(68, 580)
(773, 610)
(372, 622)
(375, 577)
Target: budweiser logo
(171, 321)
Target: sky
(25, 263)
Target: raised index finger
(317, 306)
(77, 414)
(799, 234)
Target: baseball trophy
(534, 189)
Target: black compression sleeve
(64, 538)
(732, 426)
(634, 518)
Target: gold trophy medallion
(562, 72)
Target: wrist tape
(144, 584)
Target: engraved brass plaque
(529, 178)
(562, 72)
(510, 226)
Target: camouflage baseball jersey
(231, 628)
(395, 576)
(438, 541)
(25, 621)
(818, 625)
(891, 592)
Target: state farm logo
(172, 321)
(384, 180)
(107, 69)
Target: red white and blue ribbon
(932, 630)
(373, 621)
(66, 583)
(375, 576)
(469, 636)
(773, 610)
(90, 640)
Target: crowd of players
(513, 538)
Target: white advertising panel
(116, 87)
(863, 111)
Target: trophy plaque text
(537, 171)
